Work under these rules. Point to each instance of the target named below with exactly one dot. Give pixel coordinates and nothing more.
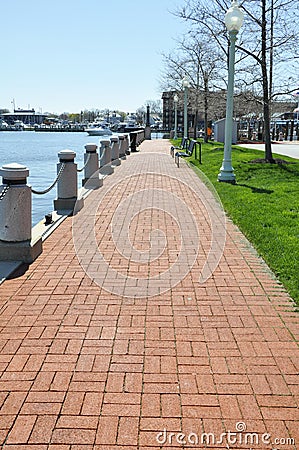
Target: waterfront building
(27, 116)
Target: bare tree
(267, 49)
(201, 63)
(155, 106)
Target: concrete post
(105, 158)
(133, 141)
(15, 216)
(122, 151)
(91, 170)
(67, 185)
(127, 144)
(147, 133)
(147, 130)
(115, 151)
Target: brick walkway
(133, 351)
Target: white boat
(98, 129)
(3, 125)
(19, 125)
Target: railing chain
(87, 161)
(3, 192)
(45, 191)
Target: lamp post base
(227, 176)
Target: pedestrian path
(148, 322)
(287, 148)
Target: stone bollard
(147, 133)
(147, 129)
(127, 144)
(105, 158)
(67, 185)
(16, 243)
(122, 151)
(115, 151)
(133, 141)
(91, 170)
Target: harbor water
(38, 151)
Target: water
(38, 151)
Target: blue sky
(69, 55)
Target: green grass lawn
(264, 204)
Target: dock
(148, 322)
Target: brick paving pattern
(83, 367)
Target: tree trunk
(266, 100)
(206, 93)
(195, 124)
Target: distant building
(246, 107)
(27, 116)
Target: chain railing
(45, 191)
(87, 161)
(3, 192)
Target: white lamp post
(186, 86)
(233, 22)
(175, 99)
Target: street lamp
(186, 86)
(233, 22)
(175, 99)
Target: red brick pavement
(83, 367)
